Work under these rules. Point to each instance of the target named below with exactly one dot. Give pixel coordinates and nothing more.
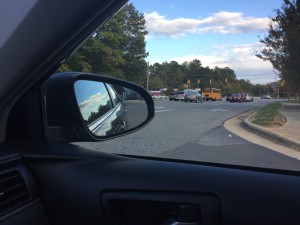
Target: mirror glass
(109, 109)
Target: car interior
(45, 179)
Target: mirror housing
(64, 118)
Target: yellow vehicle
(212, 94)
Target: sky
(223, 33)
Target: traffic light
(188, 83)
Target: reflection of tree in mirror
(101, 111)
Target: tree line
(118, 49)
(282, 45)
(172, 75)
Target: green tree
(117, 48)
(173, 75)
(259, 89)
(156, 76)
(135, 67)
(282, 44)
(193, 71)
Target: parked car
(265, 97)
(160, 97)
(248, 98)
(193, 96)
(172, 96)
(180, 95)
(228, 97)
(236, 98)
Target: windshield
(243, 49)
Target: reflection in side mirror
(109, 109)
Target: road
(136, 112)
(194, 131)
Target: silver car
(172, 96)
(265, 97)
(193, 96)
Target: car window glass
(114, 96)
(217, 52)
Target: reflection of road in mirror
(137, 112)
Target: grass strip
(269, 116)
(294, 101)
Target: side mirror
(89, 107)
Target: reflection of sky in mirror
(90, 95)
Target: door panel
(80, 186)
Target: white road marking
(160, 107)
(197, 109)
(166, 110)
(218, 110)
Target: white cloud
(240, 58)
(92, 103)
(221, 22)
(158, 24)
(93, 100)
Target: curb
(286, 141)
(253, 109)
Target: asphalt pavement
(195, 131)
(136, 112)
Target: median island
(269, 116)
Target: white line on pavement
(159, 107)
(167, 110)
(218, 110)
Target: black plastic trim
(65, 122)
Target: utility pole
(148, 75)
(276, 94)
(148, 81)
(162, 80)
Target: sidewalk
(289, 133)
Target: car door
(56, 182)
